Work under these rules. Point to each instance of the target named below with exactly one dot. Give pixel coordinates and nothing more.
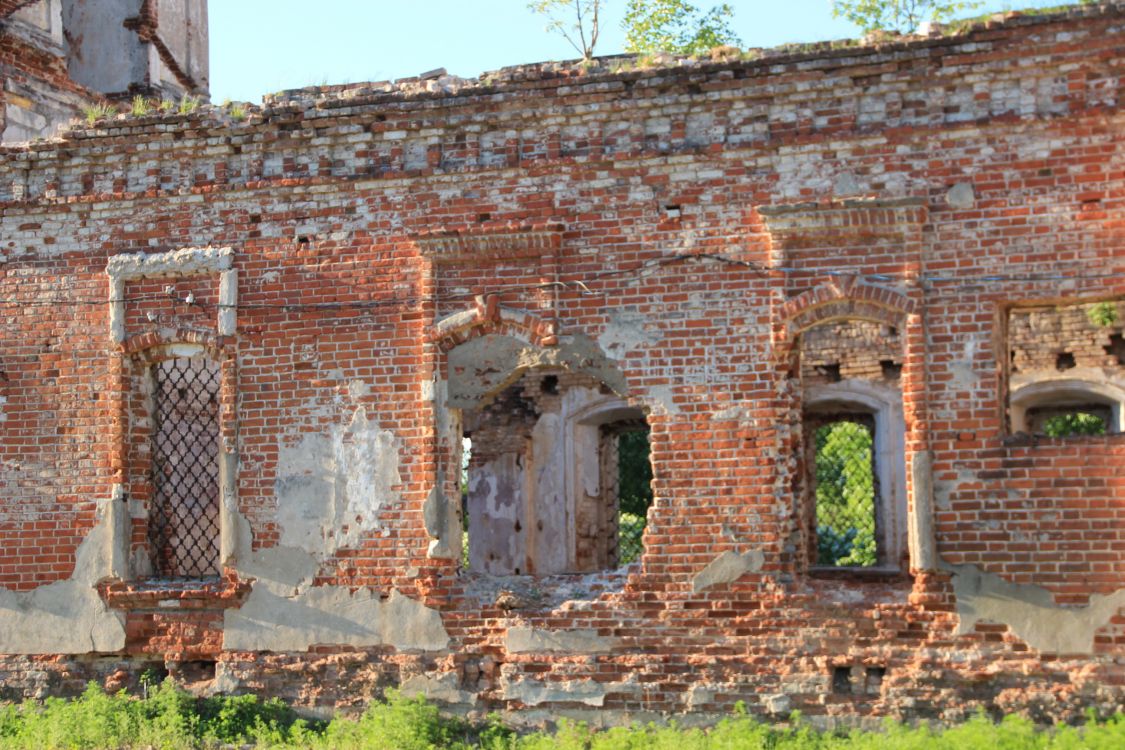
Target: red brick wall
(328, 207)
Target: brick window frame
(145, 348)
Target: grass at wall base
(170, 719)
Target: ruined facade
(58, 57)
(331, 398)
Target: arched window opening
(634, 491)
(1067, 408)
(555, 477)
(183, 521)
(1065, 421)
(1065, 374)
(853, 505)
(845, 490)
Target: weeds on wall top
(188, 104)
(95, 112)
(141, 106)
(1103, 314)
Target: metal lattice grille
(845, 494)
(184, 520)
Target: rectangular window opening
(183, 524)
(845, 491)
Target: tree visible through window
(1065, 423)
(845, 491)
(634, 488)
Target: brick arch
(155, 346)
(846, 299)
(487, 315)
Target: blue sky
(261, 46)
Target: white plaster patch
(331, 615)
(1030, 611)
(445, 688)
(331, 488)
(69, 617)
(663, 399)
(727, 568)
(537, 640)
(532, 692)
(626, 331)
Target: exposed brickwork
(1038, 336)
(669, 233)
(855, 349)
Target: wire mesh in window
(845, 491)
(184, 518)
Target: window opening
(183, 527)
(634, 493)
(1065, 421)
(845, 491)
(842, 680)
(1065, 361)
(556, 478)
(1116, 348)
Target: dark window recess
(891, 370)
(1064, 361)
(1066, 421)
(873, 682)
(845, 491)
(550, 385)
(183, 527)
(1116, 348)
(831, 373)
(842, 680)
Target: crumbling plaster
(483, 366)
(1030, 612)
(331, 488)
(69, 616)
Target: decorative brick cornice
(490, 243)
(853, 216)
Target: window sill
(873, 575)
(164, 595)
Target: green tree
(575, 20)
(897, 15)
(1074, 423)
(677, 27)
(845, 495)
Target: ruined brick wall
(369, 263)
